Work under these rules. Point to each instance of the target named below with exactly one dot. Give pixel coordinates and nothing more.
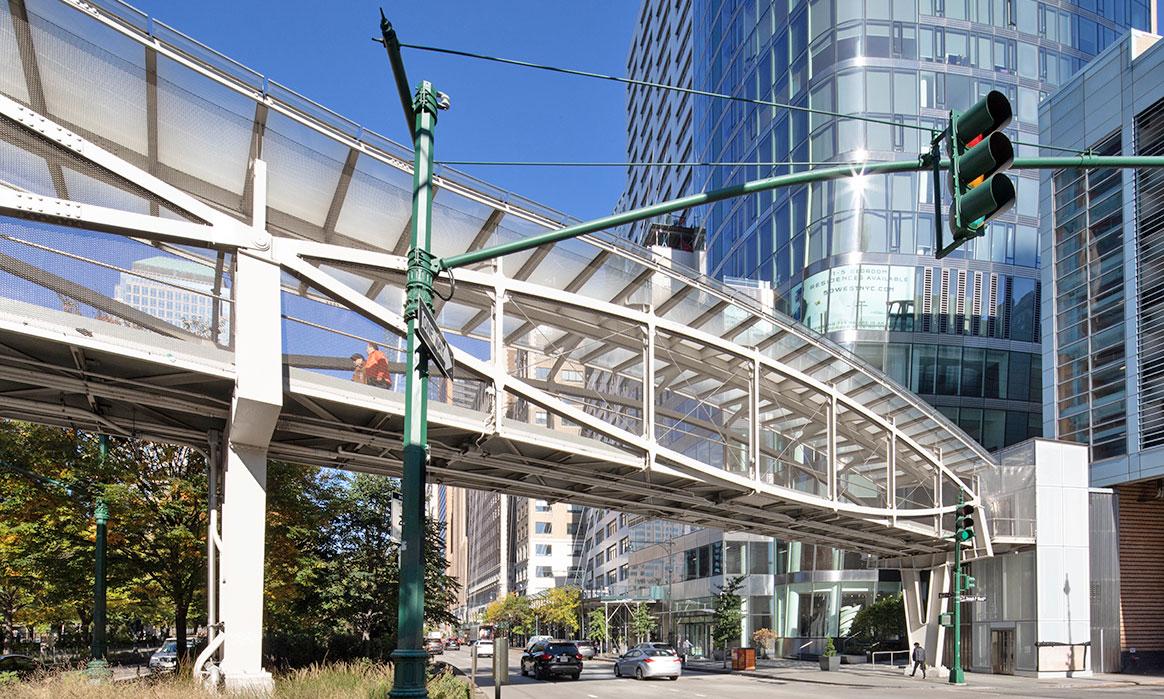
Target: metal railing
(891, 653)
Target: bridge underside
(68, 370)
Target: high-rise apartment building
(1103, 253)
(854, 258)
(659, 121)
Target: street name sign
(434, 341)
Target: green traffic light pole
(98, 667)
(420, 115)
(409, 657)
(956, 674)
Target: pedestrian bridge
(190, 249)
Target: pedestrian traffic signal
(979, 153)
(964, 523)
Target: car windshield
(169, 647)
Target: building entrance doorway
(1002, 651)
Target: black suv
(546, 659)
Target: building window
(541, 506)
(544, 549)
(543, 527)
(544, 572)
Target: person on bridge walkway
(376, 368)
(358, 370)
(919, 660)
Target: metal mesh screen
(169, 291)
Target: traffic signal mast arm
(923, 163)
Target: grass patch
(337, 681)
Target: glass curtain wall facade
(854, 259)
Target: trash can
(744, 659)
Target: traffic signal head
(968, 582)
(979, 154)
(986, 116)
(964, 523)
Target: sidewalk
(867, 676)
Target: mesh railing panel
(114, 279)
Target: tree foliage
(728, 613)
(513, 612)
(882, 620)
(642, 622)
(596, 626)
(331, 566)
(558, 607)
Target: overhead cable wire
(583, 163)
(661, 86)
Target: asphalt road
(598, 682)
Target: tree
(51, 477)
(642, 622)
(596, 627)
(364, 570)
(559, 607)
(882, 620)
(160, 510)
(512, 611)
(303, 507)
(762, 637)
(728, 614)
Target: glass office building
(854, 258)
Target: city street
(800, 680)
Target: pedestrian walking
(919, 660)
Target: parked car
(453, 644)
(642, 663)
(484, 648)
(546, 659)
(434, 646)
(586, 648)
(24, 666)
(534, 640)
(165, 658)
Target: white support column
(497, 349)
(891, 471)
(649, 399)
(922, 623)
(831, 446)
(754, 417)
(255, 407)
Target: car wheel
(673, 677)
(524, 672)
(575, 677)
(617, 672)
(638, 673)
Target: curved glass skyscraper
(854, 259)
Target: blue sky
(325, 52)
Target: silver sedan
(644, 663)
